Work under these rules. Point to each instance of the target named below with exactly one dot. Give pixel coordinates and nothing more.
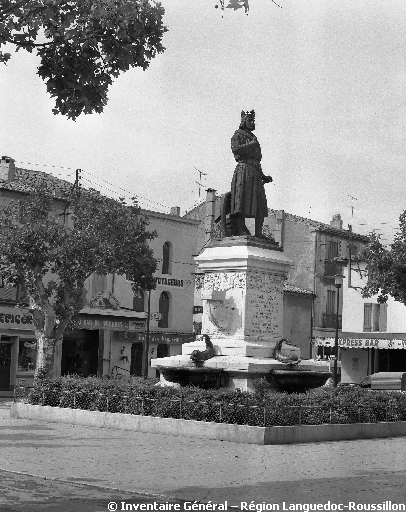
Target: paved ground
(99, 465)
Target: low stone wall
(210, 430)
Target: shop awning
(362, 343)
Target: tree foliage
(237, 4)
(51, 260)
(386, 267)
(83, 44)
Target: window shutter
(367, 317)
(383, 317)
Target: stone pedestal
(242, 296)
(242, 292)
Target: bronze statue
(247, 198)
(199, 356)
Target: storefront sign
(110, 323)
(12, 318)
(159, 337)
(168, 281)
(361, 343)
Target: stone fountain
(242, 291)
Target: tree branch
(21, 43)
(13, 7)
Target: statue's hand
(267, 179)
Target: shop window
(375, 317)
(162, 350)
(164, 304)
(325, 352)
(166, 258)
(27, 355)
(138, 301)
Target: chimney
(7, 169)
(175, 210)
(209, 219)
(336, 221)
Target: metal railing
(330, 319)
(212, 411)
(116, 372)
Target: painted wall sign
(110, 323)
(158, 337)
(12, 318)
(361, 343)
(169, 281)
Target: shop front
(17, 348)
(102, 346)
(364, 356)
(161, 344)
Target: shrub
(345, 404)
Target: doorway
(5, 365)
(137, 351)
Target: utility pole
(75, 186)
(146, 362)
(349, 254)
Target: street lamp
(338, 282)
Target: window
(166, 258)
(164, 310)
(330, 266)
(375, 317)
(331, 302)
(330, 316)
(27, 354)
(138, 300)
(332, 250)
(7, 292)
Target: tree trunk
(45, 366)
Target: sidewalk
(367, 471)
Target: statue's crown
(247, 114)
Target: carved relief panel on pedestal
(264, 304)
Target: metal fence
(219, 412)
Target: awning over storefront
(110, 323)
(380, 343)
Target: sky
(325, 78)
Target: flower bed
(265, 407)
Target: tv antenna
(201, 173)
(352, 205)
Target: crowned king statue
(248, 199)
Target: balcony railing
(330, 320)
(331, 268)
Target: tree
(237, 4)
(83, 44)
(386, 267)
(51, 260)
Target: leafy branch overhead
(386, 267)
(82, 44)
(51, 260)
(237, 4)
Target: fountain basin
(297, 381)
(197, 376)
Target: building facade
(112, 334)
(310, 295)
(373, 337)
(314, 248)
